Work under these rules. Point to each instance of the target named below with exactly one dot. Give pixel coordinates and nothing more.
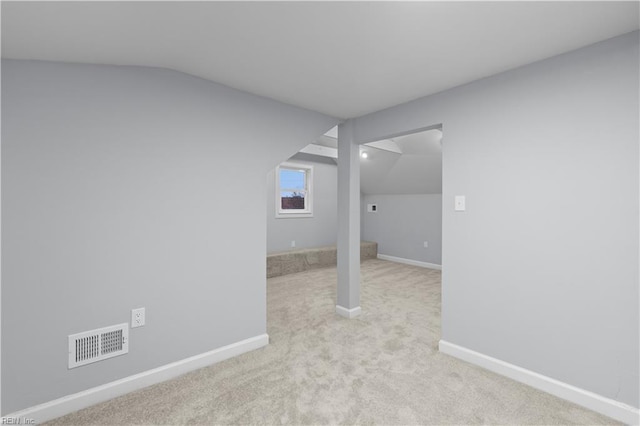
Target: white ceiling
(344, 59)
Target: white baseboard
(348, 313)
(409, 262)
(77, 401)
(606, 406)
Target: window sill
(293, 215)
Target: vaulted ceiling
(344, 59)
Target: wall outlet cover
(137, 317)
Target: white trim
(323, 151)
(409, 262)
(600, 404)
(348, 313)
(308, 211)
(77, 401)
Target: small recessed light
(364, 155)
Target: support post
(348, 300)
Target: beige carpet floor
(380, 368)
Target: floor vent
(96, 345)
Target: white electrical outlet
(293, 243)
(426, 244)
(137, 317)
(460, 203)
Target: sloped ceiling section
(343, 59)
(410, 164)
(416, 170)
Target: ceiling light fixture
(364, 155)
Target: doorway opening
(400, 203)
(401, 197)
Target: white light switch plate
(460, 203)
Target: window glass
(293, 190)
(292, 179)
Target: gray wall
(541, 271)
(125, 187)
(403, 223)
(363, 210)
(319, 230)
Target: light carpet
(382, 367)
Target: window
(293, 190)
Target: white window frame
(308, 211)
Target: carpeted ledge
(381, 368)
